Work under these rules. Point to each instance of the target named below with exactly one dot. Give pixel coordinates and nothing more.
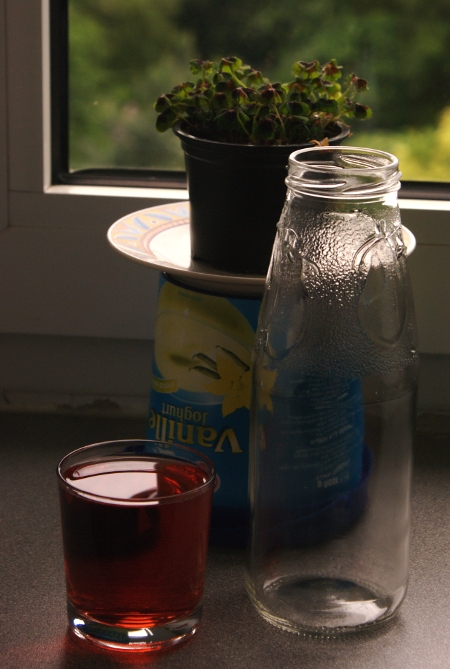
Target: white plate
(159, 237)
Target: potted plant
(237, 130)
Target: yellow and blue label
(201, 386)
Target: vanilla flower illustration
(266, 383)
(234, 381)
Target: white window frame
(58, 275)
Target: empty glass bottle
(334, 375)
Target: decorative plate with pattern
(159, 237)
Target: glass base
(139, 639)
(325, 606)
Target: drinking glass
(135, 521)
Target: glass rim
(108, 499)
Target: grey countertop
(33, 625)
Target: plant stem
(281, 123)
(237, 81)
(255, 118)
(242, 125)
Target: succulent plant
(231, 102)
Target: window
(123, 54)
(57, 274)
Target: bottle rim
(343, 172)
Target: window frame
(41, 219)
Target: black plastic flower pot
(236, 193)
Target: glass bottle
(334, 375)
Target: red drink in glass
(135, 534)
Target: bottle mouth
(343, 172)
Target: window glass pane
(124, 53)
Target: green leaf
(327, 106)
(309, 69)
(181, 90)
(195, 66)
(219, 101)
(162, 103)
(239, 95)
(361, 111)
(242, 116)
(221, 86)
(202, 102)
(250, 109)
(270, 95)
(297, 108)
(295, 91)
(332, 70)
(230, 65)
(166, 120)
(359, 84)
(228, 78)
(254, 77)
(201, 67)
(264, 129)
(296, 129)
(227, 119)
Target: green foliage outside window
(125, 53)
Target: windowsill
(120, 191)
(425, 205)
(182, 194)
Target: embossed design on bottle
(288, 302)
(382, 304)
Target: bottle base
(325, 606)
(136, 639)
